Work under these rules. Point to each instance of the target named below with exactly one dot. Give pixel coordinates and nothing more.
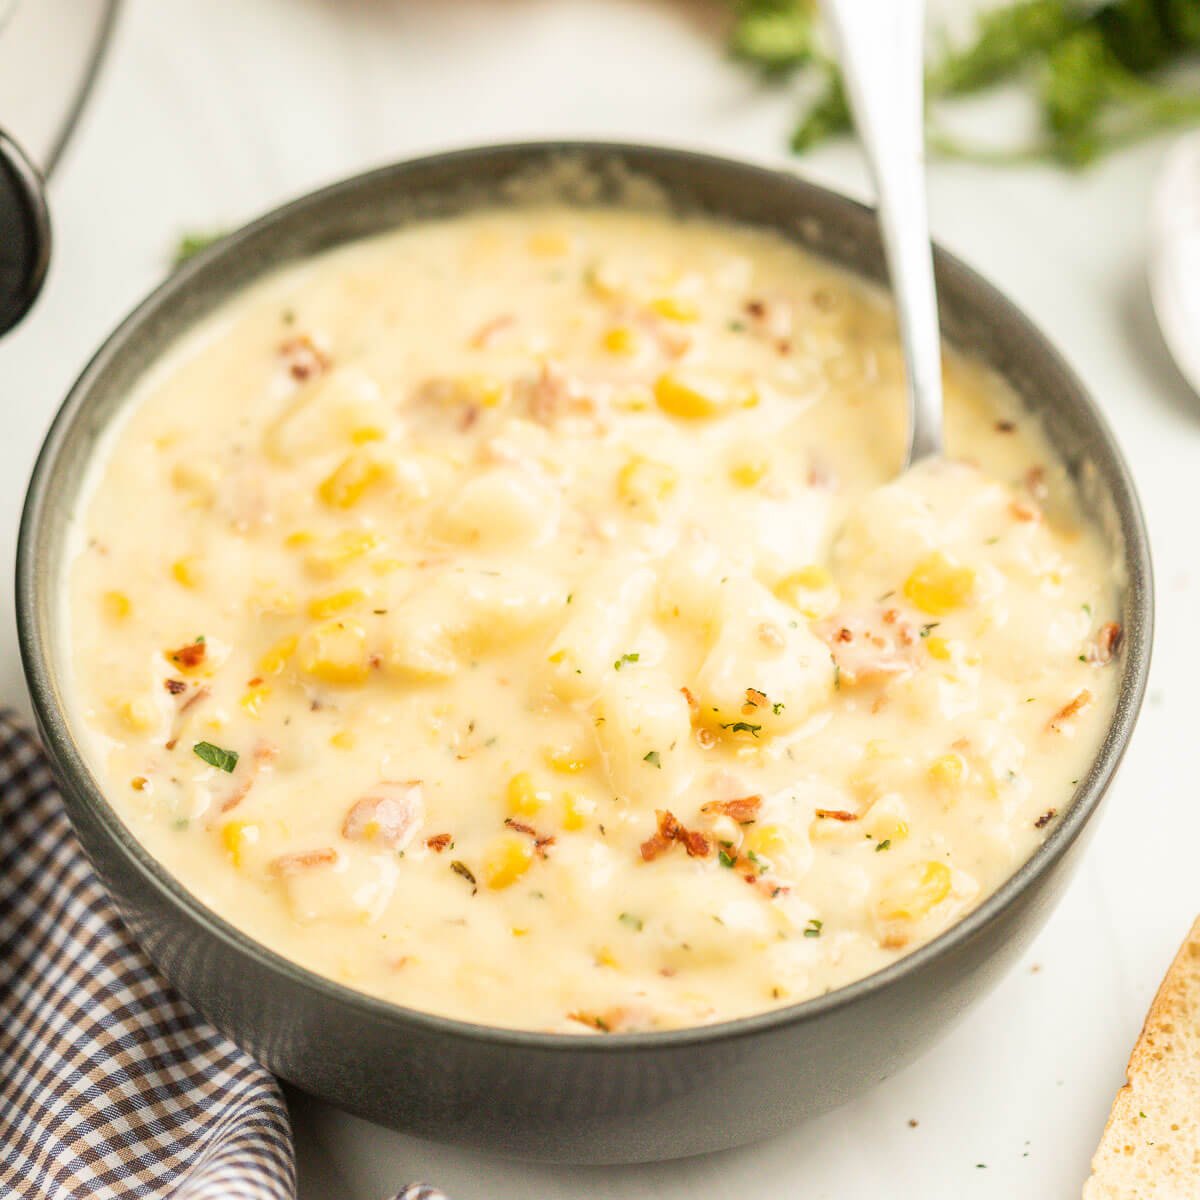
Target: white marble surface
(207, 114)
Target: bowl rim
(68, 760)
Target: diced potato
(600, 623)
(622, 340)
(765, 671)
(506, 860)
(199, 478)
(327, 413)
(748, 471)
(501, 507)
(639, 717)
(689, 583)
(335, 652)
(938, 585)
(346, 890)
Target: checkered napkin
(111, 1087)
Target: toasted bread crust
(1150, 1149)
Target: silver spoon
(880, 44)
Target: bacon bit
(139, 783)
(889, 616)
(486, 334)
(835, 814)
(470, 416)
(756, 309)
(692, 703)
(1023, 511)
(744, 810)
(1006, 426)
(189, 657)
(303, 358)
(1082, 699)
(1108, 643)
(292, 864)
(674, 343)
(390, 814)
(670, 830)
(397, 963)
(439, 842)
(265, 752)
(255, 682)
(754, 699)
(869, 644)
(602, 1023)
(1045, 818)
(1035, 483)
(540, 842)
(705, 738)
(843, 635)
(546, 395)
(520, 826)
(783, 347)
(175, 686)
(895, 940)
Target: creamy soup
(524, 617)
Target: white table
(207, 114)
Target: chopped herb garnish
(837, 678)
(886, 844)
(570, 597)
(726, 859)
(742, 727)
(1087, 608)
(737, 327)
(653, 759)
(626, 658)
(461, 868)
(632, 921)
(190, 244)
(223, 760)
(814, 928)
(778, 707)
(926, 630)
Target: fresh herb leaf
(778, 707)
(652, 757)
(742, 727)
(726, 859)
(633, 922)
(223, 760)
(926, 630)
(626, 658)
(461, 868)
(886, 844)
(814, 928)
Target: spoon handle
(880, 45)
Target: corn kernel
(301, 537)
(335, 652)
(606, 958)
(523, 798)
(278, 656)
(350, 481)
(948, 770)
(116, 605)
(255, 698)
(938, 586)
(509, 857)
(364, 434)
(604, 283)
(938, 648)
(549, 243)
(330, 557)
(138, 712)
(674, 308)
(645, 484)
(326, 606)
(621, 340)
(576, 810)
(749, 472)
(271, 599)
(687, 398)
(811, 590)
(888, 828)
(235, 837)
(566, 760)
(914, 892)
(767, 840)
(344, 739)
(186, 572)
(519, 931)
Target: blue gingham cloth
(111, 1086)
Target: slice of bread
(1151, 1145)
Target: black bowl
(619, 1098)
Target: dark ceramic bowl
(619, 1098)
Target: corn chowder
(523, 617)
